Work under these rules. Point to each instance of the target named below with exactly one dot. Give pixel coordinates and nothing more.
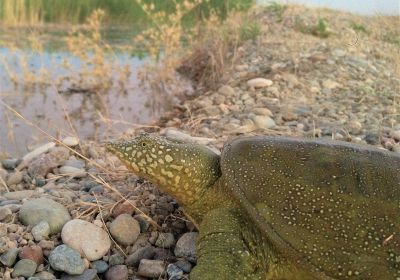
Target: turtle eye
(143, 144)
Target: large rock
(88, 239)
(25, 268)
(186, 246)
(151, 268)
(125, 229)
(44, 209)
(64, 258)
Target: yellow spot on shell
(177, 179)
(168, 158)
(176, 167)
(160, 161)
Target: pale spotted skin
(281, 208)
(180, 169)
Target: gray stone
(73, 171)
(44, 209)
(64, 258)
(186, 246)
(100, 266)
(45, 275)
(70, 141)
(19, 195)
(118, 272)
(88, 274)
(25, 268)
(90, 240)
(15, 178)
(8, 258)
(174, 272)
(184, 265)
(263, 122)
(226, 90)
(5, 213)
(38, 151)
(41, 230)
(116, 259)
(41, 166)
(151, 268)
(134, 259)
(77, 163)
(125, 229)
(165, 240)
(34, 278)
(10, 164)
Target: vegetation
(359, 27)
(277, 8)
(319, 29)
(36, 12)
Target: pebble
(19, 195)
(25, 268)
(43, 209)
(165, 240)
(184, 265)
(329, 84)
(115, 259)
(100, 266)
(35, 153)
(3, 174)
(262, 112)
(125, 229)
(33, 253)
(72, 171)
(90, 240)
(143, 222)
(186, 246)
(88, 274)
(118, 272)
(263, 122)
(259, 83)
(70, 141)
(125, 207)
(395, 134)
(226, 90)
(8, 258)
(41, 166)
(5, 214)
(77, 163)
(41, 230)
(10, 164)
(45, 275)
(174, 272)
(151, 268)
(15, 178)
(134, 259)
(64, 258)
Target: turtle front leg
(223, 251)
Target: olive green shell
(330, 207)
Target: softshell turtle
(281, 208)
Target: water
(60, 111)
(362, 7)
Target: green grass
(276, 8)
(359, 27)
(249, 31)
(319, 29)
(31, 12)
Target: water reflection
(61, 108)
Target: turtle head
(184, 170)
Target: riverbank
(308, 73)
